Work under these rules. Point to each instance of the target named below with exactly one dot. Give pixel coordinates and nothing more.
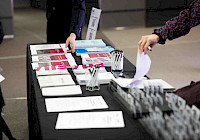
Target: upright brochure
(52, 70)
(103, 78)
(75, 103)
(105, 60)
(44, 58)
(80, 51)
(81, 69)
(95, 55)
(55, 80)
(90, 43)
(62, 90)
(45, 49)
(88, 120)
(69, 62)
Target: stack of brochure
(90, 43)
(96, 58)
(53, 60)
(52, 70)
(90, 50)
(47, 49)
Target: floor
(177, 62)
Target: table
(42, 124)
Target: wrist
(160, 39)
(73, 35)
(156, 37)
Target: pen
(149, 48)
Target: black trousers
(3, 126)
(4, 129)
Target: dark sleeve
(78, 18)
(181, 24)
(2, 103)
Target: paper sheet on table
(62, 90)
(1, 78)
(143, 64)
(86, 120)
(124, 81)
(75, 103)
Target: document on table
(1, 78)
(75, 103)
(62, 90)
(124, 81)
(86, 120)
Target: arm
(181, 24)
(77, 22)
(174, 28)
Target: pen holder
(91, 74)
(117, 59)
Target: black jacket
(64, 17)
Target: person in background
(65, 21)
(174, 28)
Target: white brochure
(87, 120)
(62, 90)
(93, 24)
(1, 78)
(55, 80)
(75, 103)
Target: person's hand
(71, 40)
(146, 41)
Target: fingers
(145, 43)
(146, 47)
(73, 46)
(72, 42)
(66, 44)
(140, 46)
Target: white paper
(62, 90)
(34, 48)
(124, 81)
(103, 78)
(55, 80)
(93, 24)
(75, 103)
(43, 72)
(1, 78)
(143, 63)
(86, 120)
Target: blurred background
(122, 24)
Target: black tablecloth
(42, 124)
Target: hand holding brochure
(143, 66)
(86, 120)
